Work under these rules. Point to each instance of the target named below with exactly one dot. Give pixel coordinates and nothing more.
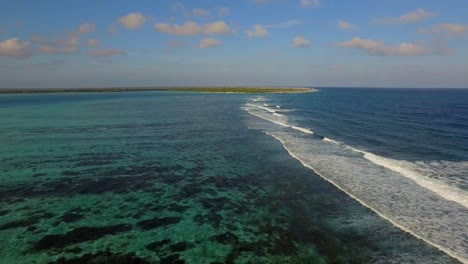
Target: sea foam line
(302, 129)
(264, 118)
(439, 187)
(382, 215)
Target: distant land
(175, 89)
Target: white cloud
(416, 16)
(257, 31)
(346, 25)
(285, 24)
(105, 53)
(57, 46)
(448, 29)
(378, 48)
(200, 12)
(132, 20)
(222, 10)
(260, 30)
(85, 28)
(300, 42)
(92, 42)
(208, 43)
(313, 3)
(15, 48)
(52, 49)
(63, 44)
(192, 28)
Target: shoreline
(230, 90)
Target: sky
(313, 43)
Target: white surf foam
(391, 189)
(330, 140)
(302, 129)
(419, 175)
(266, 113)
(279, 120)
(422, 213)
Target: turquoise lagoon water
(168, 177)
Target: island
(254, 89)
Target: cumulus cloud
(92, 42)
(457, 30)
(346, 25)
(58, 45)
(85, 28)
(132, 20)
(300, 42)
(412, 17)
(15, 48)
(378, 48)
(313, 3)
(192, 28)
(208, 43)
(105, 53)
(285, 24)
(63, 44)
(50, 49)
(200, 12)
(258, 31)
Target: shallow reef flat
(166, 178)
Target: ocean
(341, 175)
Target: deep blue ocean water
(401, 152)
(334, 176)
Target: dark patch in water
(70, 173)
(177, 207)
(104, 257)
(30, 221)
(71, 216)
(180, 246)
(4, 212)
(76, 250)
(226, 238)
(212, 218)
(115, 180)
(156, 246)
(79, 235)
(284, 245)
(172, 259)
(158, 222)
(214, 203)
(35, 175)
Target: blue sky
(363, 43)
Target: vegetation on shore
(175, 89)
(243, 89)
